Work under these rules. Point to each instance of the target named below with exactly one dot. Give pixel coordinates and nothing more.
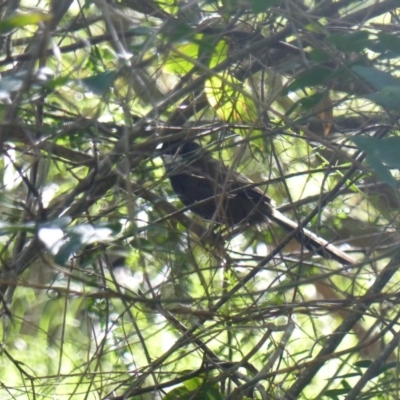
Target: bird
(218, 194)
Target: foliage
(109, 289)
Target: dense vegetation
(109, 287)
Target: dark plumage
(216, 193)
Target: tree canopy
(110, 287)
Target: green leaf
(203, 392)
(348, 375)
(194, 383)
(58, 82)
(179, 31)
(319, 55)
(6, 229)
(260, 6)
(313, 77)
(179, 393)
(20, 20)
(141, 31)
(70, 247)
(14, 82)
(363, 363)
(100, 83)
(386, 367)
(389, 96)
(315, 26)
(306, 103)
(10, 84)
(349, 42)
(208, 392)
(334, 393)
(391, 42)
(229, 103)
(386, 150)
(345, 384)
(379, 79)
(381, 170)
(219, 54)
(388, 86)
(176, 64)
(381, 155)
(256, 6)
(60, 223)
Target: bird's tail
(310, 240)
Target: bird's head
(179, 152)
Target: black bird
(216, 193)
